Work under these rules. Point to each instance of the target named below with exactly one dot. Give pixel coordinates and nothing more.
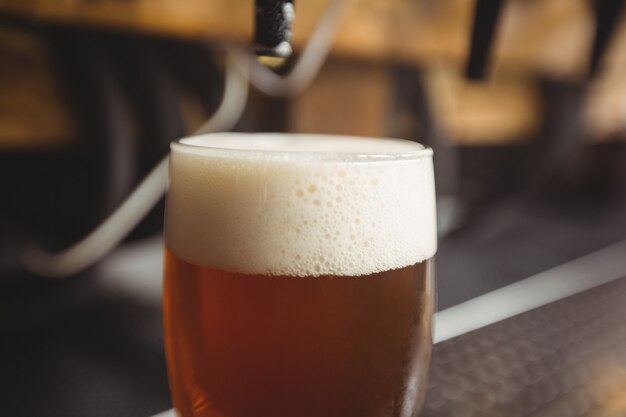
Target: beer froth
(300, 205)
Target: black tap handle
(607, 13)
(486, 16)
(273, 20)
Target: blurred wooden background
(353, 94)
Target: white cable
(105, 237)
(234, 99)
(168, 413)
(241, 67)
(119, 224)
(310, 62)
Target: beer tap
(272, 35)
(607, 13)
(486, 14)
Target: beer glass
(298, 275)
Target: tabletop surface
(565, 359)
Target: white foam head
(300, 205)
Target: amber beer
(298, 276)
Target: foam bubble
(300, 205)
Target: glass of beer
(298, 275)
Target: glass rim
(182, 144)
